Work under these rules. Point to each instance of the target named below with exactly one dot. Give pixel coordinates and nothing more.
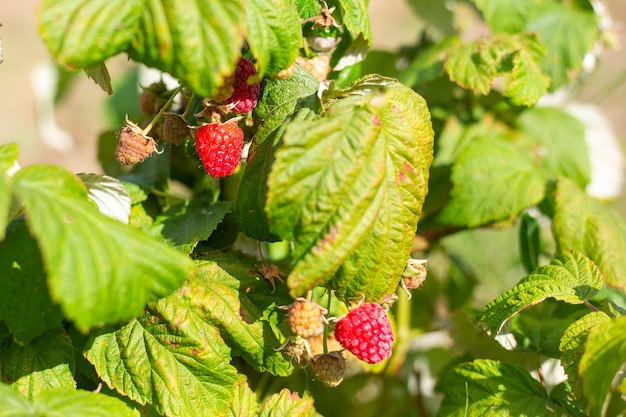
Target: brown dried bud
(133, 146)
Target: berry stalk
(158, 116)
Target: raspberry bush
(288, 164)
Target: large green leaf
(287, 404)
(244, 402)
(489, 388)
(231, 294)
(8, 159)
(25, 304)
(168, 357)
(505, 15)
(198, 42)
(602, 364)
(66, 403)
(99, 270)
(46, 363)
(573, 342)
(561, 140)
(185, 224)
(568, 34)
(492, 180)
(84, 33)
(348, 188)
(570, 277)
(587, 225)
(274, 34)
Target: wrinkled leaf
(197, 42)
(489, 388)
(185, 224)
(287, 404)
(570, 277)
(492, 180)
(25, 304)
(46, 363)
(573, 342)
(66, 403)
(99, 270)
(168, 357)
(231, 295)
(348, 188)
(244, 402)
(604, 360)
(587, 225)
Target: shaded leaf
(489, 388)
(25, 304)
(230, 294)
(492, 180)
(84, 34)
(348, 188)
(562, 394)
(573, 343)
(274, 34)
(287, 404)
(197, 42)
(587, 225)
(100, 75)
(103, 271)
(603, 361)
(43, 364)
(570, 277)
(529, 241)
(168, 357)
(185, 224)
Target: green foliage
(164, 291)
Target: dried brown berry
(133, 146)
(329, 368)
(175, 129)
(414, 274)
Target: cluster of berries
(219, 145)
(365, 332)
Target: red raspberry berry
(244, 97)
(219, 147)
(366, 332)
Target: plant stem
(403, 330)
(158, 116)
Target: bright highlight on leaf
(570, 277)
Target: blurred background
(66, 134)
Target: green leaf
(529, 241)
(168, 357)
(287, 404)
(274, 34)
(83, 34)
(197, 42)
(508, 16)
(568, 34)
(562, 395)
(25, 304)
(356, 19)
(570, 277)
(8, 160)
(348, 188)
(492, 180)
(244, 402)
(100, 75)
(230, 294)
(603, 362)
(467, 67)
(281, 98)
(561, 138)
(185, 224)
(587, 225)
(573, 342)
(527, 82)
(489, 388)
(99, 270)
(46, 363)
(74, 403)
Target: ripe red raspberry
(219, 147)
(366, 332)
(244, 97)
(329, 368)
